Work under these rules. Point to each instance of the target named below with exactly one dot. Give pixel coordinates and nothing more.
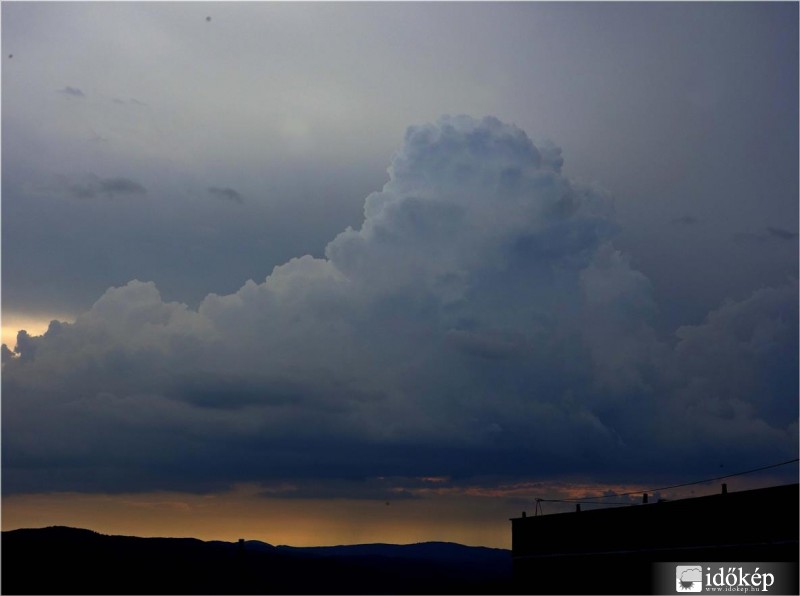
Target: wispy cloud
(92, 186)
(132, 101)
(226, 194)
(769, 234)
(73, 91)
(781, 234)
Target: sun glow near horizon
(466, 515)
(243, 514)
(34, 323)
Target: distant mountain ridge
(424, 550)
(80, 561)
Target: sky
(391, 270)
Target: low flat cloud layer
(479, 322)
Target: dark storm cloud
(225, 194)
(26, 345)
(92, 187)
(480, 321)
(7, 354)
(743, 350)
(73, 91)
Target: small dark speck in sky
(208, 18)
(11, 55)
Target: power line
(653, 490)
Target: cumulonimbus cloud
(480, 321)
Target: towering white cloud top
(479, 322)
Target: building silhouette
(613, 550)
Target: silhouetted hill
(76, 561)
(432, 551)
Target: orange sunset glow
(468, 515)
(242, 514)
(34, 324)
